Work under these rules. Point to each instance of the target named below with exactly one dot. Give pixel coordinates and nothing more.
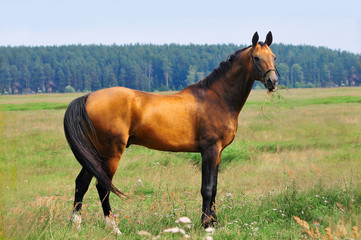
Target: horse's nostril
(269, 83)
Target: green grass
(269, 216)
(281, 101)
(33, 106)
(305, 163)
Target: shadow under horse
(203, 118)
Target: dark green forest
(159, 67)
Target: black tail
(77, 127)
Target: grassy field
(304, 162)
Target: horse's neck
(234, 87)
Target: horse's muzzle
(271, 84)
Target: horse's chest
(229, 133)
(221, 131)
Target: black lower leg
(209, 185)
(213, 199)
(209, 204)
(213, 203)
(81, 186)
(104, 198)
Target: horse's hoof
(76, 220)
(206, 223)
(110, 223)
(215, 222)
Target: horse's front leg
(210, 163)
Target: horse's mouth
(271, 86)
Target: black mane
(223, 68)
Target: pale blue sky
(333, 24)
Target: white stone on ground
(183, 220)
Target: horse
(202, 117)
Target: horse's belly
(167, 146)
(177, 136)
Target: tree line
(159, 67)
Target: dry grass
(335, 232)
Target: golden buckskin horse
(203, 118)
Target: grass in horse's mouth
(265, 100)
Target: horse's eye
(256, 59)
(275, 58)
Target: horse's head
(263, 62)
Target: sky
(332, 24)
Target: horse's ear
(255, 39)
(269, 38)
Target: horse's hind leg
(81, 186)
(104, 199)
(104, 196)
